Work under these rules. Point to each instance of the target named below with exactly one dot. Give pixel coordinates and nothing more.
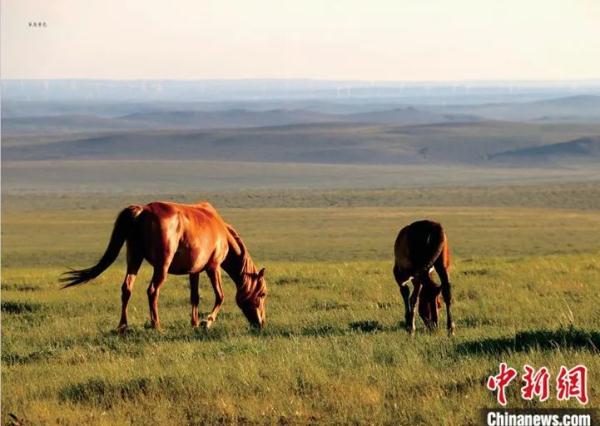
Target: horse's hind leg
(401, 279)
(134, 261)
(442, 271)
(195, 298)
(158, 278)
(164, 251)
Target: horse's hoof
(195, 324)
(155, 325)
(452, 330)
(206, 323)
(122, 329)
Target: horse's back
(200, 219)
(165, 209)
(202, 214)
(192, 234)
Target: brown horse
(181, 239)
(419, 248)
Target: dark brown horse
(421, 247)
(181, 239)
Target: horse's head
(429, 303)
(251, 298)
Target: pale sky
(401, 40)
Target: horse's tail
(121, 231)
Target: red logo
(536, 383)
(500, 381)
(572, 384)
(569, 383)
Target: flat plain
(526, 290)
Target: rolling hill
(225, 119)
(576, 109)
(330, 143)
(579, 150)
(543, 132)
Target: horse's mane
(237, 245)
(240, 266)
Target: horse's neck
(239, 267)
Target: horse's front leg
(429, 300)
(401, 279)
(414, 300)
(447, 295)
(195, 298)
(214, 274)
(433, 309)
(442, 271)
(408, 313)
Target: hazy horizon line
(595, 80)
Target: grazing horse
(419, 248)
(181, 239)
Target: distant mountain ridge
(586, 149)
(228, 119)
(581, 108)
(542, 132)
(578, 100)
(474, 143)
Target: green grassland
(526, 288)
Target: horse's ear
(261, 273)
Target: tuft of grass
(104, 393)
(10, 358)
(329, 305)
(17, 308)
(368, 326)
(20, 287)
